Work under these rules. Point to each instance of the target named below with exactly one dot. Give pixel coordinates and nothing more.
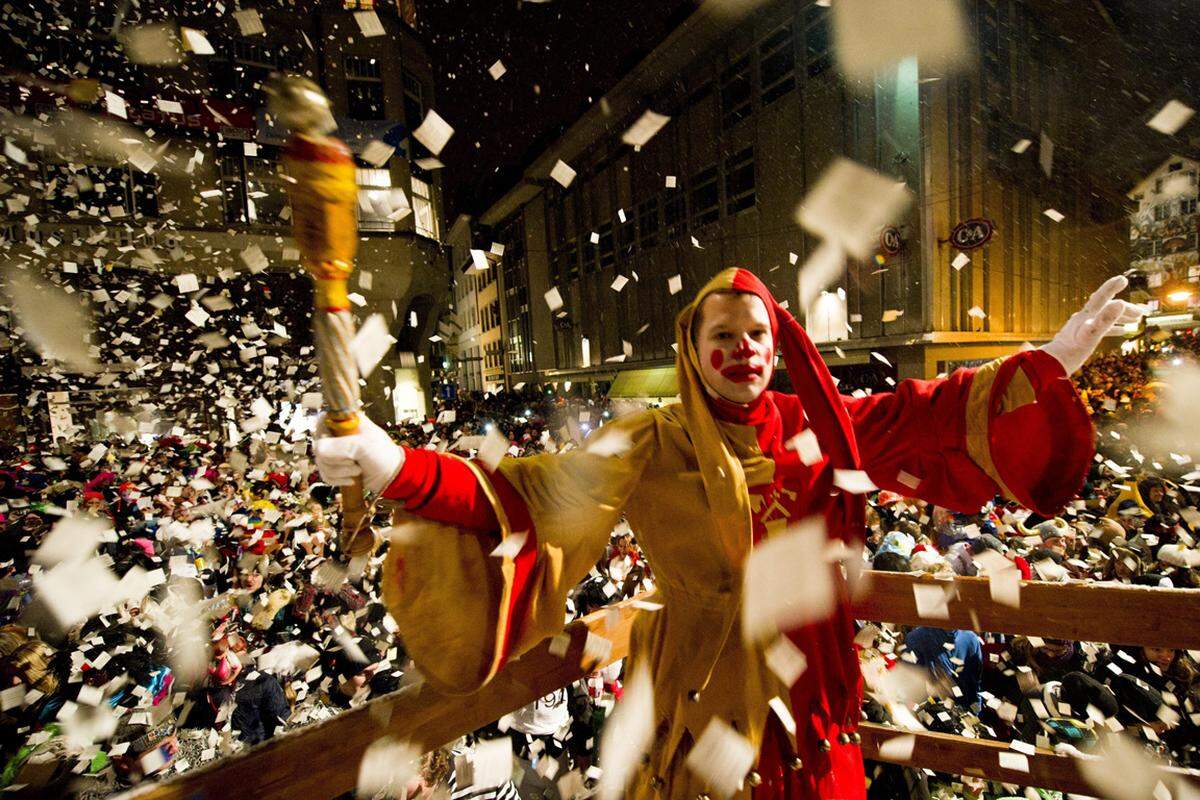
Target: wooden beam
(980, 758)
(1091, 612)
(322, 760)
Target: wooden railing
(322, 760)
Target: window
(1161, 212)
(626, 237)
(739, 181)
(571, 261)
(607, 257)
(358, 5)
(95, 191)
(266, 196)
(364, 88)
(1187, 206)
(233, 187)
(588, 265)
(375, 200)
(776, 65)
(1158, 185)
(816, 40)
(414, 100)
(424, 220)
(648, 223)
(673, 213)
(699, 94)
(737, 93)
(705, 197)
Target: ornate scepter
(323, 192)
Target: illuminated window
(375, 200)
(358, 5)
(424, 219)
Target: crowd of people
(202, 618)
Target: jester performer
(702, 481)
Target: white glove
(1074, 343)
(370, 453)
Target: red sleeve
(1014, 427)
(913, 441)
(444, 489)
(441, 488)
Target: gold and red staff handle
(323, 192)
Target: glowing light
(1179, 296)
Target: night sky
(572, 50)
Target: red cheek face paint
(716, 359)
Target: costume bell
(700, 482)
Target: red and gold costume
(701, 482)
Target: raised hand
(1076, 341)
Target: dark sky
(561, 57)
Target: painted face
(735, 345)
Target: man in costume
(702, 481)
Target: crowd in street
(230, 545)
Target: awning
(652, 382)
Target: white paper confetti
(850, 203)
(371, 343)
(721, 758)
(562, 173)
(1171, 117)
(433, 132)
(787, 582)
(645, 128)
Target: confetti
(853, 481)
(497, 70)
(721, 758)
(370, 25)
(850, 203)
(806, 446)
(642, 131)
(787, 582)
(433, 132)
(874, 35)
(53, 322)
(786, 660)
(370, 344)
(562, 173)
(1171, 117)
(627, 735)
(249, 22)
(675, 284)
(554, 299)
(387, 766)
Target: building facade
(1164, 227)
(758, 111)
(211, 197)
